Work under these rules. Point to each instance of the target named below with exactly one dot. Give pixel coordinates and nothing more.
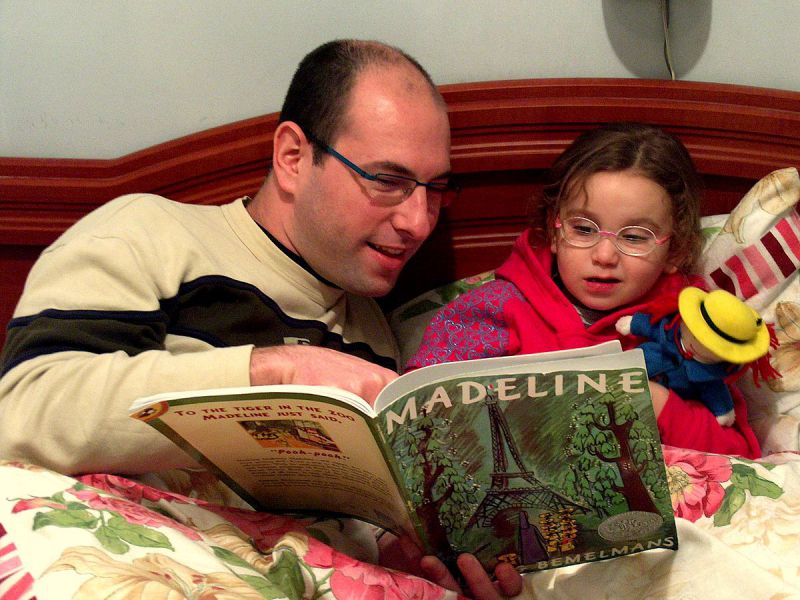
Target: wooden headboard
(505, 135)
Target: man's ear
(292, 153)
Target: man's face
(393, 125)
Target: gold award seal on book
(629, 525)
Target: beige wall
(102, 78)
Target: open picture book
(539, 460)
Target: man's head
(375, 107)
(317, 99)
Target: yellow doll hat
(724, 324)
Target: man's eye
(387, 184)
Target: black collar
(297, 258)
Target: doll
(707, 344)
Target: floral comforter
(102, 536)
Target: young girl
(617, 229)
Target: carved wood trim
(733, 132)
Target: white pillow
(755, 253)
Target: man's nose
(414, 215)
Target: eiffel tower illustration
(501, 495)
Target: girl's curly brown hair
(623, 146)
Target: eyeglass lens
(394, 188)
(632, 240)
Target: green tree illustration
(615, 456)
(441, 488)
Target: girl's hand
(658, 395)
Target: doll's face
(699, 352)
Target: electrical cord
(665, 25)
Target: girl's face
(602, 277)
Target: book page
(283, 449)
(548, 465)
(328, 392)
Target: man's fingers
(508, 584)
(508, 579)
(480, 586)
(436, 572)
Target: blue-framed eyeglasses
(391, 189)
(632, 240)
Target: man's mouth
(391, 252)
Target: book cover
(552, 466)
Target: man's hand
(508, 581)
(312, 365)
(403, 554)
